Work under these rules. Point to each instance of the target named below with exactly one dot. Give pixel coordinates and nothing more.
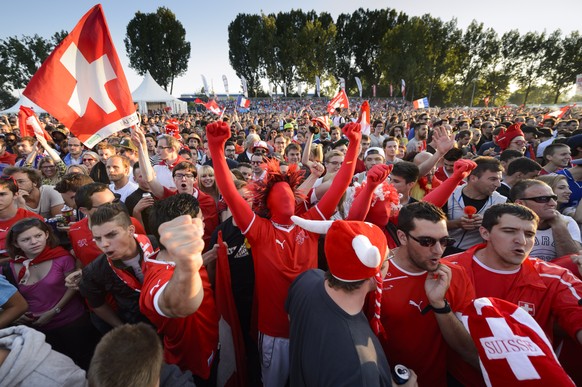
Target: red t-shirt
(208, 209)
(5, 225)
(190, 342)
(85, 248)
(279, 256)
(409, 331)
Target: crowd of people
(358, 253)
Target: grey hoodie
(32, 363)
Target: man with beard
(418, 143)
(118, 168)
(421, 293)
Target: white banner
(317, 85)
(579, 84)
(359, 83)
(225, 80)
(205, 83)
(244, 86)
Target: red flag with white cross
(82, 83)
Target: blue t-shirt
(7, 290)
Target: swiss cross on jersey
(82, 82)
(513, 349)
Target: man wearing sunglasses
(556, 235)
(420, 294)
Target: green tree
(245, 49)
(500, 70)
(20, 58)
(530, 61)
(156, 42)
(562, 61)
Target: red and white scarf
(46, 255)
(128, 279)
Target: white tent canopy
(149, 92)
(24, 101)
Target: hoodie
(32, 362)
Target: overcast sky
(206, 23)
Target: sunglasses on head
(542, 199)
(426, 241)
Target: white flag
(359, 83)
(317, 85)
(342, 83)
(225, 80)
(270, 88)
(244, 86)
(205, 83)
(285, 89)
(299, 89)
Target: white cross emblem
(528, 307)
(91, 79)
(504, 344)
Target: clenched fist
(182, 238)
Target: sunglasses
(542, 199)
(426, 241)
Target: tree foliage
(19, 60)
(156, 42)
(436, 58)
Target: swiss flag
(82, 83)
(340, 100)
(559, 113)
(364, 118)
(29, 124)
(232, 365)
(210, 105)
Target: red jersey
(284, 253)
(411, 333)
(5, 224)
(208, 209)
(549, 293)
(85, 248)
(189, 342)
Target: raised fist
(353, 131)
(217, 133)
(464, 166)
(378, 173)
(182, 238)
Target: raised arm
(307, 149)
(440, 194)
(184, 293)
(341, 182)
(145, 165)
(361, 205)
(444, 143)
(217, 133)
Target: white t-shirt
(49, 198)
(124, 191)
(545, 247)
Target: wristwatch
(58, 310)
(444, 310)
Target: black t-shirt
(477, 203)
(132, 201)
(242, 274)
(329, 347)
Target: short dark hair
(406, 170)
(495, 212)
(418, 210)
(185, 165)
(292, 146)
(72, 182)
(552, 148)
(388, 139)
(171, 208)
(109, 213)
(453, 154)
(338, 284)
(509, 154)
(516, 192)
(486, 164)
(84, 193)
(523, 165)
(24, 225)
(128, 355)
(10, 183)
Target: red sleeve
(167, 192)
(138, 226)
(210, 214)
(566, 295)
(156, 276)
